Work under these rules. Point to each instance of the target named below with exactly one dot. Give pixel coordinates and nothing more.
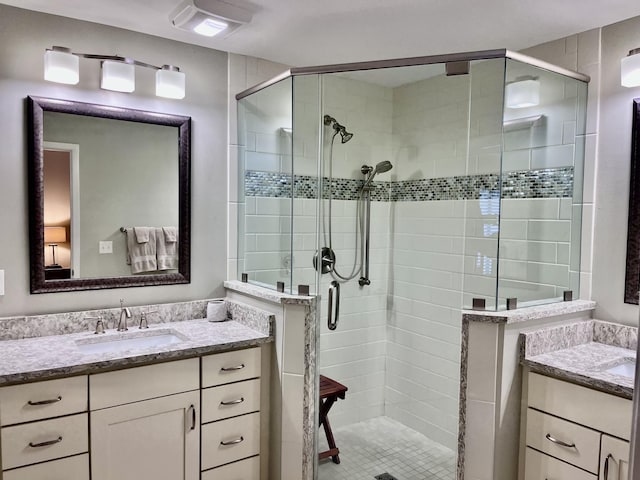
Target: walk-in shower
(444, 188)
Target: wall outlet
(106, 247)
(1, 282)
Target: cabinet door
(614, 459)
(155, 439)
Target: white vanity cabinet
(145, 422)
(44, 430)
(230, 415)
(573, 432)
(191, 419)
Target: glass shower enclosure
(402, 192)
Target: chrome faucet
(124, 314)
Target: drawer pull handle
(606, 466)
(559, 442)
(232, 369)
(232, 442)
(233, 402)
(46, 402)
(45, 444)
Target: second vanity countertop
(583, 353)
(56, 356)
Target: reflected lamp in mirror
(630, 69)
(61, 65)
(523, 92)
(52, 237)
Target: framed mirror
(632, 277)
(109, 196)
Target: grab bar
(332, 321)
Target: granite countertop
(268, 294)
(525, 314)
(582, 352)
(55, 356)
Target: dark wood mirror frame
(36, 106)
(632, 277)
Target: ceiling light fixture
(630, 69)
(61, 65)
(523, 92)
(209, 17)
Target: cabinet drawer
(230, 400)
(543, 429)
(230, 440)
(76, 468)
(35, 401)
(69, 434)
(142, 383)
(248, 469)
(573, 402)
(539, 466)
(230, 367)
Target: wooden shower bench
(330, 391)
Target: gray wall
(21, 57)
(612, 175)
(597, 53)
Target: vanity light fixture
(209, 17)
(118, 76)
(61, 65)
(523, 92)
(630, 69)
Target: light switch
(106, 247)
(1, 282)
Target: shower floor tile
(382, 445)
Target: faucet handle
(144, 321)
(100, 328)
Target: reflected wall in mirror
(96, 170)
(632, 278)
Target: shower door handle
(332, 320)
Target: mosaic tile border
(541, 183)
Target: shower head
(382, 167)
(344, 135)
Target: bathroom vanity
(184, 410)
(577, 407)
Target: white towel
(167, 251)
(170, 234)
(142, 234)
(141, 256)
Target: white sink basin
(627, 368)
(127, 343)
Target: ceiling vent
(209, 17)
